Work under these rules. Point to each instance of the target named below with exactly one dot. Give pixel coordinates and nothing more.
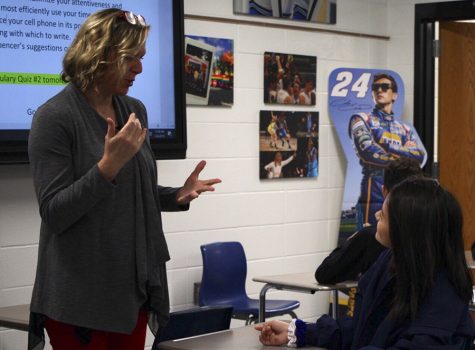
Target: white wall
(285, 226)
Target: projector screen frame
(14, 143)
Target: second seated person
(101, 274)
(356, 255)
(415, 296)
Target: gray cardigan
(102, 251)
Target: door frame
(426, 15)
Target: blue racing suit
(378, 138)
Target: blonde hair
(104, 39)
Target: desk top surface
(304, 281)
(233, 339)
(15, 317)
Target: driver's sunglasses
(384, 87)
(132, 18)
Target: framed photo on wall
(290, 79)
(198, 60)
(321, 11)
(209, 71)
(288, 144)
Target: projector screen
(34, 35)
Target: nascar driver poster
(366, 108)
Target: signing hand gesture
(193, 186)
(120, 147)
(273, 332)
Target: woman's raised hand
(120, 147)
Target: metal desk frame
(298, 282)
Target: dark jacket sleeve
(350, 260)
(423, 341)
(329, 333)
(166, 194)
(62, 198)
(168, 199)
(442, 323)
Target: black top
(352, 259)
(442, 321)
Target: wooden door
(456, 131)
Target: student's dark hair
(398, 170)
(379, 76)
(425, 229)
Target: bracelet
(291, 335)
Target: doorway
(455, 138)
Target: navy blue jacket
(442, 323)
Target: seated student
(361, 249)
(415, 296)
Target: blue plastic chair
(224, 283)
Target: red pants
(62, 337)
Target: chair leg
(292, 314)
(250, 320)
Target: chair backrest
(196, 321)
(224, 273)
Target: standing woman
(416, 295)
(101, 260)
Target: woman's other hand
(193, 186)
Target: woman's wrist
(296, 333)
(107, 171)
